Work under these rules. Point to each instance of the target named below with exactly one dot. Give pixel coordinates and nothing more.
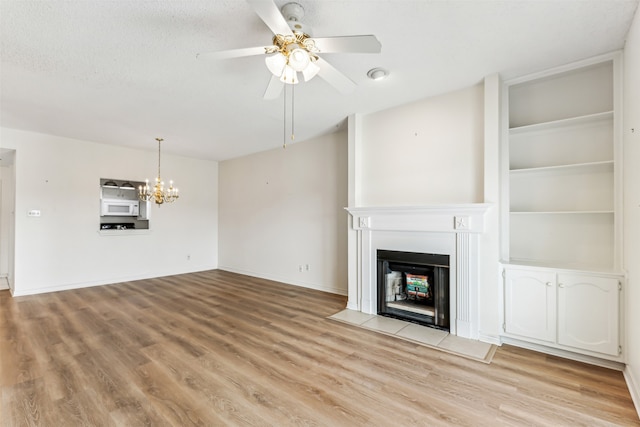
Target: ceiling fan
(294, 50)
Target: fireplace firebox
(414, 287)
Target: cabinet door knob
(560, 285)
(549, 284)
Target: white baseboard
(276, 278)
(110, 281)
(489, 339)
(611, 364)
(4, 282)
(634, 387)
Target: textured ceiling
(125, 71)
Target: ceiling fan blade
(348, 44)
(274, 88)
(232, 53)
(268, 11)
(334, 77)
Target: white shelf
(581, 92)
(584, 240)
(588, 142)
(562, 123)
(590, 167)
(582, 187)
(561, 212)
(561, 267)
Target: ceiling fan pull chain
(292, 110)
(284, 119)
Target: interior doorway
(7, 217)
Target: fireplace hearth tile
(422, 335)
(353, 317)
(385, 324)
(472, 348)
(425, 335)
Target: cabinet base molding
(605, 363)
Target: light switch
(33, 212)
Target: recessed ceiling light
(377, 73)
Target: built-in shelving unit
(561, 222)
(562, 185)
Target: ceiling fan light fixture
(289, 75)
(276, 63)
(310, 71)
(299, 59)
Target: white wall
(62, 248)
(632, 204)
(284, 208)
(429, 151)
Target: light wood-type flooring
(217, 349)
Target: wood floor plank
(222, 349)
(231, 407)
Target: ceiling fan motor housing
(292, 11)
(293, 14)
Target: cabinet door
(589, 313)
(530, 304)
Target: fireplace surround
(451, 229)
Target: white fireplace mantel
(449, 229)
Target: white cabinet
(530, 304)
(574, 312)
(589, 312)
(561, 205)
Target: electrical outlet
(306, 267)
(188, 257)
(300, 269)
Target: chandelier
(292, 54)
(158, 193)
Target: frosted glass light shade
(289, 76)
(310, 71)
(299, 59)
(276, 63)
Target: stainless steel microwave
(120, 207)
